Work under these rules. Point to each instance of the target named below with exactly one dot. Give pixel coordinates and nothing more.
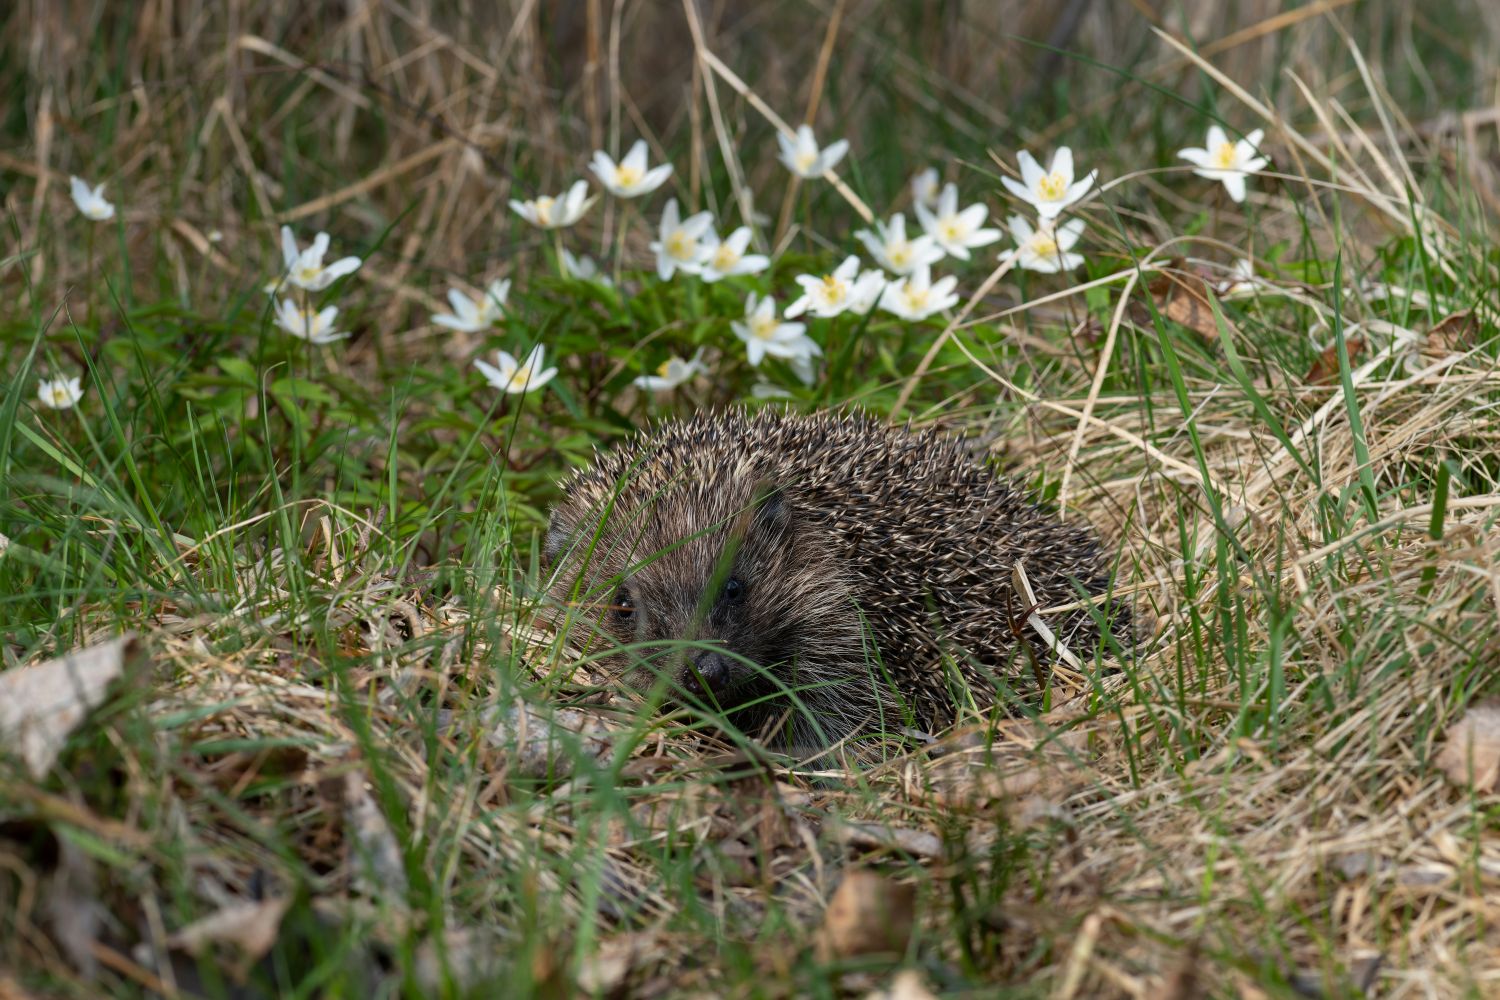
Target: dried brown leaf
(605, 970)
(907, 984)
(879, 836)
(251, 926)
(71, 903)
(869, 914)
(1456, 333)
(41, 705)
(469, 955)
(1325, 368)
(379, 871)
(546, 743)
(1471, 749)
(1181, 295)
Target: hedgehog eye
(623, 606)
(734, 589)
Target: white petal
(948, 200)
(1068, 233)
(1216, 138)
(1062, 163)
(669, 218)
(696, 225)
(1031, 171)
(806, 141)
(636, 158)
(1193, 155)
(833, 154)
(452, 322)
(1234, 183)
(289, 251)
(341, 267)
(925, 218)
(655, 178)
(494, 376)
(981, 237)
(1080, 188)
(1016, 188)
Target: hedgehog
(815, 578)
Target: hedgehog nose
(707, 674)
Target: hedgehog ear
(773, 511)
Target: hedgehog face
(710, 594)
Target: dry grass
(1249, 810)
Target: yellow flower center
(664, 369)
(1225, 156)
(834, 289)
(917, 297)
(521, 377)
(805, 160)
(763, 327)
(681, 246)
(627, 177)
(725, 257)
(1052, 187)
(308, 272)
(950, 229)
(544, 209)
(900, 254)
(1044, 245)
(59, 395)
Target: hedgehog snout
(708, 673)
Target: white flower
(917, 297)
(1241, 280)
(954, 231)
(802, 367)
(304, 268)
(802, 156)
(1050, 190)
(583, 269)
(924, 187)
(868, 288)
(1045, 248)
(629, 178)
(680, 247)
(727, 258)
(471, 315)
(308, 324)
(764, 334)
(1230, 162)
(508, 376)
(60, 393)
(672, 373)
(826, 295)
(893, 251)
(90, 201)
(765, 390)
(547, 212)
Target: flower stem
(625, 218)
(93, 284)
